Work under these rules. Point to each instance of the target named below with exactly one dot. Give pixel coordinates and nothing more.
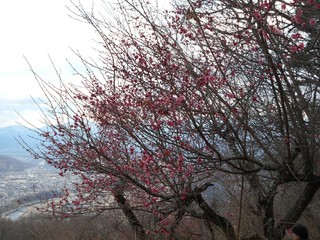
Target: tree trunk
(216, 219)
(128, 212)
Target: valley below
(24, 182)
(21, 190)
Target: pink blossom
(294, 48)
(156, 126)
(230, 95)
(296, 36)
(180, 99)
(275, 30)
(183, 196)
(254, 98)
(170, 123)
(297, 19)
(300, 12)
(301, 46)
(312, 22)
(311, 1)
(265, 5)
(257, 15)
(131, 150)
(183, 30)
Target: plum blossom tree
(206, 91)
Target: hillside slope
(8, 163)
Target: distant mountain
(10, 146)
(12, 164)
(9, 136)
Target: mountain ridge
(9, 142)
(8, 163)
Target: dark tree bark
(216, 219)
(130, 215)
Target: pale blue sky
(34, 29)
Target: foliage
(44, 227)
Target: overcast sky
(35, 29)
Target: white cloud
(34, 29)
(13, 112)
